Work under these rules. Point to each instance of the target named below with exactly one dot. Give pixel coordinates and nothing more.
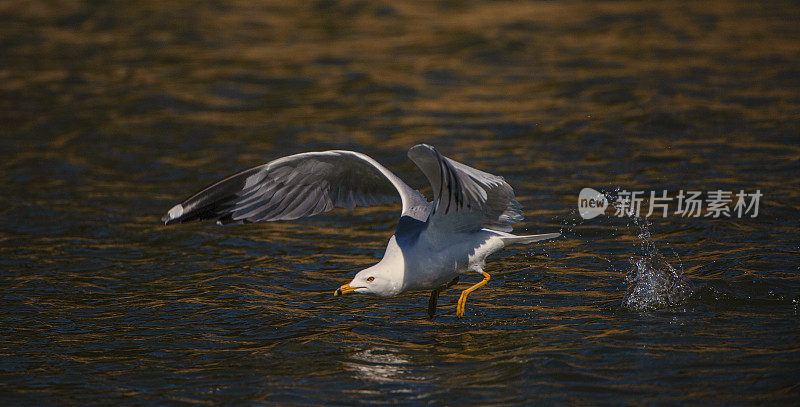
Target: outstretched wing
(465, 199)
(298, 186)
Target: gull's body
(434, 243)
(424, 264)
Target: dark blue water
(110, 113)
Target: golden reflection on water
(112, 112)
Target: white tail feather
(511, 238)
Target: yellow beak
(345, 289)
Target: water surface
(113, 112)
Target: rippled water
(112, 112)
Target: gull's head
(375, 280)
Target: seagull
(434, 243)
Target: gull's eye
(370, 279)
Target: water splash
(652, 282)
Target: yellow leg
(462, 301)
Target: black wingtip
(173, 216)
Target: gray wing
(297, 186)
(465, 199)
